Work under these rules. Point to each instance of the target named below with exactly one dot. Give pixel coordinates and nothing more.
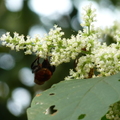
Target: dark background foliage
(11, 62)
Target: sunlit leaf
(87, 99)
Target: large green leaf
(86, 99)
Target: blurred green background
(29, 17)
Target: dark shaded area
(21, 22)
(81, 116)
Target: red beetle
(43, 72)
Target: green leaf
(86, 99)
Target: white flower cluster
(49, 45)
(17, 42)
(107, 60)
(88, 17)
(114, 112)
(83, 68)
(92, 54)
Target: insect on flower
(43, 72)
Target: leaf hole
(52, 110)
(81, 116)
(52, 94)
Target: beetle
(43, 71)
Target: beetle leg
(35, 67)
(32, 65)
(52, 68)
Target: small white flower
(28, 52)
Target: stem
(89, 30)
(86, 52)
